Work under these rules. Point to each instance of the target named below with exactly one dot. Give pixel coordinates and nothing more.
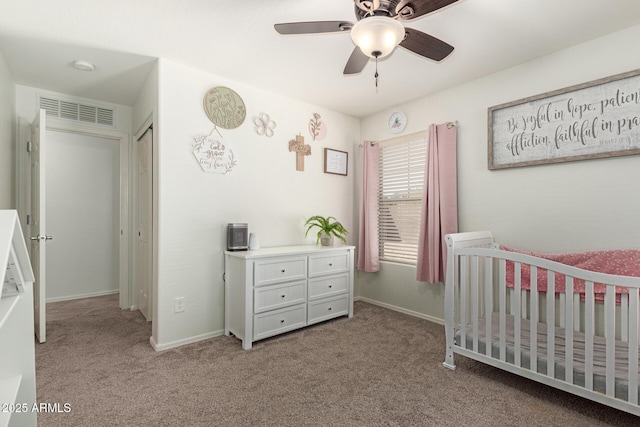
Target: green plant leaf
(326, 226)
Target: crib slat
(502, 309)
(551, 322)
(561, 305)
(488, 303)
(516, 314)
(576, 312)
(633, 346)
(464, 287)
(474, 301)
(589, 328)
(568, 342)
(512, 300)
(610, 336)
(533, 318)
(624, 317)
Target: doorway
(82, 204)
(84, 177)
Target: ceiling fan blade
(425, 45)
(356, 62)
(313, 27)
(412, 9)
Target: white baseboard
(401, 310)
(81, 296)
(184, 341)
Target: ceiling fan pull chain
(376, 74)
(376, 77)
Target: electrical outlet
(178, 305)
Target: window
(401, 170)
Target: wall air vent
(70, 110)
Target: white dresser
(275, 290)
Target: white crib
(571, 341)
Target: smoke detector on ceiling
(84, 66)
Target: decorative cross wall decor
(301, 149)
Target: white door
(38, 227)
(145, 221)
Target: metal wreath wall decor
(224, 107)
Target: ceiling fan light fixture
(377, 36)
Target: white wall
(82, 207)
(7, 137)
(563, 207)
(264, 190)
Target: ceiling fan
(379, 30)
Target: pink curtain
(368, 259)
(439, 203)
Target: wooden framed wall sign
(335, 161)
(592, 120)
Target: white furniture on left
(276, 290)
(17, 348)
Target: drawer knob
(330, 264)
(330, 286)
(282, 271)
(282, 321)
(329, 308)
(283, 295)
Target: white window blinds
(401, 180)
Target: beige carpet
(381, 368)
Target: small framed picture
(335, 161)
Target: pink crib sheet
(621, 262)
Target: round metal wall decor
(397, 122)
(224, 107)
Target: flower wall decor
(317, 128)
(224, 107)
(264, 125)
(214, 153)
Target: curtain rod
(409, 136)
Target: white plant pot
(326, 240)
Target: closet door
(145, 222)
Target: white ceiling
(235, 39)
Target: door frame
(24, 187)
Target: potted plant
(328, 229)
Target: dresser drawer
(276, 270)
(320, 265)
(279, 321)
(328, 286)
(328, 308)
(278, 296)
